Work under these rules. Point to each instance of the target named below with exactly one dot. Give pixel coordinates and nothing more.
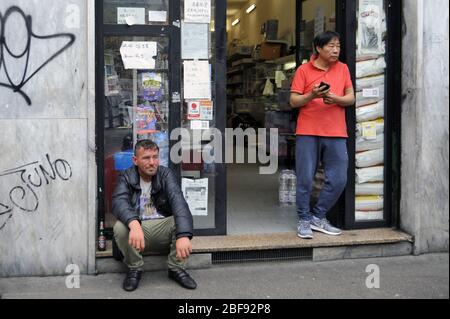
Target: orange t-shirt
(317, 118)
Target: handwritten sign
(197, 80)
(138, 55)
(194, 41)
(198, 11)
(130, 16)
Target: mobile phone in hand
(324, 86)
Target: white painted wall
(425, 118)
(47, 220)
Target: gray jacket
(166, 195)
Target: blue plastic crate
(123, 161)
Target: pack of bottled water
(287, 187)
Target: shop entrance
(150, 57)
(267, 41)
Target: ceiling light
(235, 22)
(251, 8)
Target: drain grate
(261, 255)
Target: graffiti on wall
(22, 196)
(5, 49)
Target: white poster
(370, 27)
(196, 194)
(138, 55)
(198, 11)
(194, 41)
(197, 80)
(157, 16)
(130, 16)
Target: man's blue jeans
(332, 152)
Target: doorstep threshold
(289, 240)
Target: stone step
(384, 242)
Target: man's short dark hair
(322, 39)
(146, 145)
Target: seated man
(153, 216)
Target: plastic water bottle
(292, 188)
(284, 188)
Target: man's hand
(330, 98)
(318, 93)
(136, 237)
(184, 248)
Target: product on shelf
(370, 174)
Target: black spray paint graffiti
(33, 175)
(4, 49)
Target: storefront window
(136, 12)
(136, 104)
(370, 110)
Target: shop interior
(261, 63)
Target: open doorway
(266, 41)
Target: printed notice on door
(194, 41)
(197, 11)
(197, 80)
(196, 194)
(138, 55)
(130, 16)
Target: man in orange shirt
(321, 88)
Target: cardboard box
(270, 51)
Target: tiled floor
(253, 202)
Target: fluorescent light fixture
(251, 8)
(235, 22)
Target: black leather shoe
(131, 281)
(183, 278)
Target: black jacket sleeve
(122, 207)
(180, 209)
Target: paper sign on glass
(198, 11)
(197, 80)
(194, 41)
(130, 15)
(196, 194)
(138, 55)
(199, 125)
(193, 110)
(157, 16)
(206, 110)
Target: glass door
(141, 94)
(138, 76)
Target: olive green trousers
(159, 237)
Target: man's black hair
(146, 145)
(322, 39)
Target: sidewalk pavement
(425, 276)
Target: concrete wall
(425, 118)
(47, 164)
